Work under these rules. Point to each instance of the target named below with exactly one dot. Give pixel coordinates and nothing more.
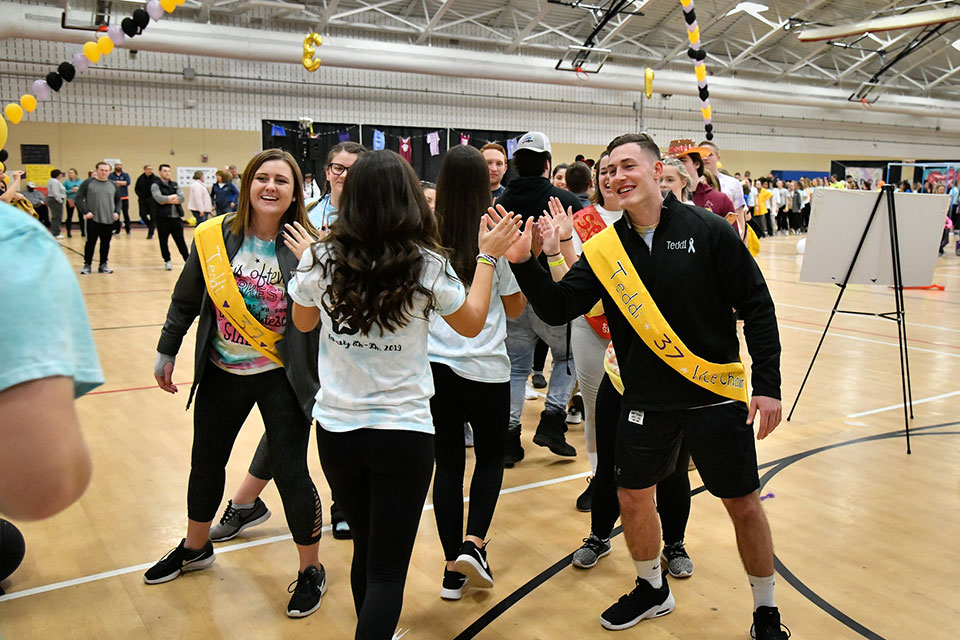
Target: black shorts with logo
(719, 438)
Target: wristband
(567, 239)
(485, 258)
(556, 263)
(553, 255)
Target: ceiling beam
(717, 17)
(435, 20)
(545, 9)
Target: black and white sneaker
(307, 590)
(678, 563)
(453, 584)
(179, 560)
(590, 553)
(236, 520)
(642, 603)
(472, 562)
(766, 625)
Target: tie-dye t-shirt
(257, 272)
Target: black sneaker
(590, 553)
(678, 563)
(641, 603)
(472, 562)
(338, 524)
(307, 591)
(179, 560)
(236, 520)
(550, 434)
(766, 625)
(538, 381)
(513, 452)
(453, 584)
(585, 499)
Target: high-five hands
(499, 231)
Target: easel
(899, 315)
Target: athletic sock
(762, 591)
(245, 506)
(649, 570)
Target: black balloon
(141, 18)
(709, 135)
(708, 127)
(67, 71)
(3, 155)
(129, 27)
(54, 80)
(11, 549)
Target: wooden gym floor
(862, 530)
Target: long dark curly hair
(373, 251)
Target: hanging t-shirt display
(257, 272)
(406, 151)
(433, 141)
(344, 137)
(464, 138)
(379, 140)
(511, 148)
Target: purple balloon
(41, 90)
(155, 9)
(115, 34)
(80, 62)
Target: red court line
(105, 293)
(872, 333)
(153, 386)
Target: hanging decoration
(28, 102)
(698, 54)
(310, 44)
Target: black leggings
(71, 208)
(540, 355)
(486, 406)
(381, 477)
(223, 402)
(261, 469)
(167, 227)
(673, 492)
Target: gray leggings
(588, 349)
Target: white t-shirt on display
(484, 358)
(609, 217)
(380, 380)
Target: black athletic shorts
(720, 442)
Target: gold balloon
(168, 5)
(180, 3)
(3, 137)
(104, 44)
(14, 112)
(310, 44)
(28, 102)
(91, 51)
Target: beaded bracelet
(486, 258)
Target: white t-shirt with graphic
(257, 272)
(380, 380)
(484, 358)
(609, 217)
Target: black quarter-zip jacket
(698, 272)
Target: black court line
(501, 607)
(129, 326)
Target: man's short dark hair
(698, 161)
(530, 163)
(102, 163)
(55, 173)
(160, 168)
(643, 140)
(578, 177)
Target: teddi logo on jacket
(683, 244)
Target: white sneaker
(531, 392)
(60, 237)
(168, 266)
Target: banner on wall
(39, 174)
(185, 176)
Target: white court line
(900, 406)
(909, 324)
(859, 339)
(246, 545)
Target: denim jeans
(522, 336)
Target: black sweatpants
(380, 477)
(540, 355)
(673, 492)
(125, 212)
(223, 402)
(103, 232)
(171, 227)
(486, 406)
(146, 214)
(71, 208)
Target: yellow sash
(613, 268)
(224, 292)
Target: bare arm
(44, 462)
(513, 304)
(306, 318)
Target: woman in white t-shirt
(471, 377)
(375, 280)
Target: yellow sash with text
(224, 292)
(613, 268)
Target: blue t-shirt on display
(44, 330)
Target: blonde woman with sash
(248, 353)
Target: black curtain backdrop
(427, 166)
(480, 137)
(309, 150)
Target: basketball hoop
(581, 74)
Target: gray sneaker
(85, 270)
(236, 520)
(590, 553)
(168, 265)
(678, 562)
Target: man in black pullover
(696, 271)
(528, 195)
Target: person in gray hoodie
(98, 199)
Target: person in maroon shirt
(704, 195)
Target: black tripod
(899, 315)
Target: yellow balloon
(91, 51)
(180, 3)
(104, 44)
(3, 136)
(310, 43)
(14, 112)
(28, 102)
(168, 5)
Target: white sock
(245, 506)
(649, 570)
(762, 591)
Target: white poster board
(837, 220)
(185, 176)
